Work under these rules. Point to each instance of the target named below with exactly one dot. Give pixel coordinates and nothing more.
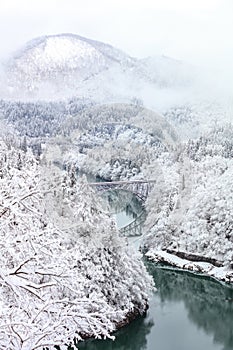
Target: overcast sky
(192, 30)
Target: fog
(195, 31)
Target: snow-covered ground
(224, 273)
(58, 246)
(190, 209)
(65, 273)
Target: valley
(75, 105)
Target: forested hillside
(73, 106)
(65, 274)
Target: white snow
(65, 273)
(63, 53)
(59, 277)
(220, 273)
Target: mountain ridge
(95, 43)
(70, 64)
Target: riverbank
(187, 311)
(221, 273)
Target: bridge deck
(140, 188)
(105, 183)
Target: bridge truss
(134, 228)
(140, 188)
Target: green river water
(187, 312)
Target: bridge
(134, 228)
(140, 188)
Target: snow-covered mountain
(62, 61)
(66, 64)
(165, 72)
(62, 66)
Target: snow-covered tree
(198, 221)
(65, 274)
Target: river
(187, 312)
(125, 206)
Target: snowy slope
(165, 72)
(62, 62)
(66, 64)
(66, 51)
(116, 141)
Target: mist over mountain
(71, 106)
(165, 72)
(63, 66)
(68, 64)
(60, 62)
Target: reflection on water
(124, 205)
(120, 200)
(188, 312)
(208, 306)
(131, 337)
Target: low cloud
(196, 31)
